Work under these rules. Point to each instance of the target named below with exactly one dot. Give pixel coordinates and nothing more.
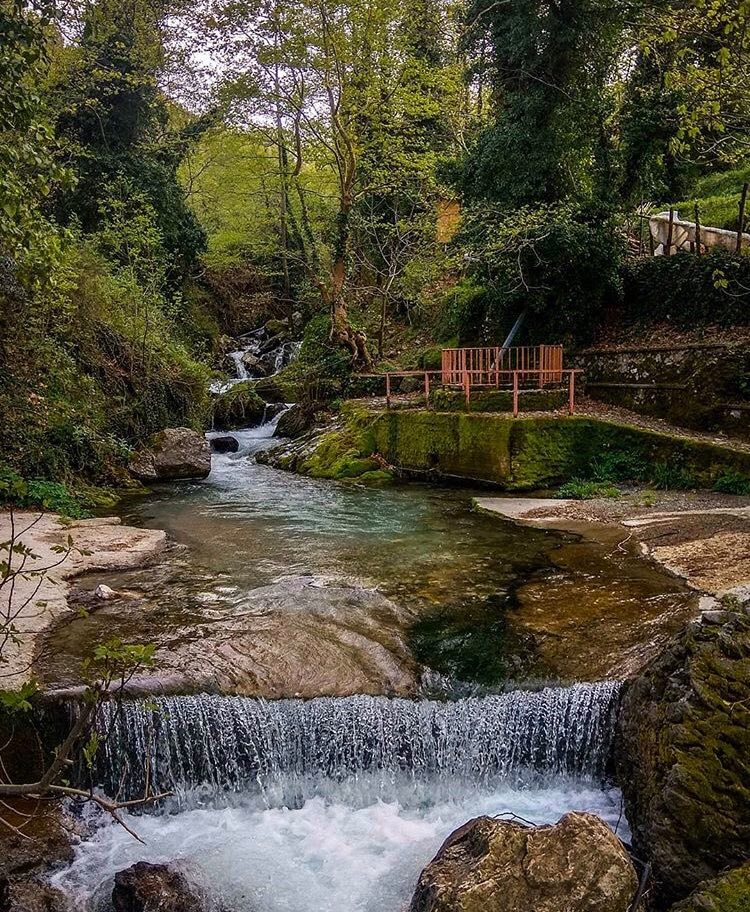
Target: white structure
(683, 235)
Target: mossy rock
(347, 453)
(683, 755)
(238, 407)
(728, 893)
(537, 452)
(451, 400)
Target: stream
(284, 586)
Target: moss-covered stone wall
(535, 452)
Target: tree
(119, 133)
(549, 65)
(687, 104)
(29, 171)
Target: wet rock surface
(172, 454)
(683, 755)
(295, 422)
(148, 887)
(577, 865)
(41, 843)
(299, 637)
(225, 444)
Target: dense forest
(381, 177)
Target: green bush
(688, 290)
(732, 483)
(667, 477)
(40, 494)
(560, 262)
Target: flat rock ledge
(703, 537)
(40, 597)
(577, 865)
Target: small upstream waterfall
(238, 743)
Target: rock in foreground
(684, 755)
(491, 865)
(172, 454)
(148, 887)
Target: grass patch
(579, 489)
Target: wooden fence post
(387, 390)
(572, 393)
(515, 394)
(741, 225)
(467, 388)
(670, 231)
(697, 230)
(427, 389)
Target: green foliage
(578, 489)
(733, 483)
(41, 494)
(549, 67)
(29, 171)
(671, 476)
(319, 354)
(19, 700)
(688, 290)
(558, 261)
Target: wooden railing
(495, 366)
(514, 369)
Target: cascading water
(335, 804)
(236, 743)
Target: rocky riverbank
(50, 552)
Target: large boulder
(683, 753)
(238, 407)
(145, 887)
(490, 865)
(171, 454)
(294, 422)
(255, 366)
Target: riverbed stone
(491, 865)
(146, 887)
(238, 407)
(224, 444)
(172, 454)
(683, 755)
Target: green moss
(530, 453)
(451, 400)
(238, 407)
(347, 453)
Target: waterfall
(224, 744)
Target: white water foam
(329, 855)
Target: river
(278, 809)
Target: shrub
(667, 477)
(41, 494)
(688, 290)
(560, 262)
(731, 482)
